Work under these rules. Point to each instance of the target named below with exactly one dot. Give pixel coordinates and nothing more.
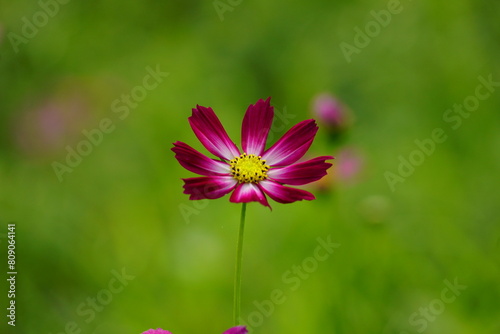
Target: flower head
(251, 174)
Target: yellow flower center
(249, 168)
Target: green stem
(237, 276)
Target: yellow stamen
(249, 168)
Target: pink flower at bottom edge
(233, 330)
(255, 172)
(236, 330)
(156, 331)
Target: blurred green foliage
(121, 206)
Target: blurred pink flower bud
(346, 171)
(349, 165)
(45, 129)
(330, 112)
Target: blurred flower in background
(347, 171)
(336, 120)
(48, 124)
(331, 113)
(45, 129)
(349, 167)
(350, 161)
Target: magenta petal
(282, 194)
(210, 187)
(293, 145)
(156, 331)
(248, 192)
(211, 133)
(256, 124)
(302, 172)
(197, 162)
(236, 330)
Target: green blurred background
(122, 207)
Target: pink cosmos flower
(233, 330)
(254, 172)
